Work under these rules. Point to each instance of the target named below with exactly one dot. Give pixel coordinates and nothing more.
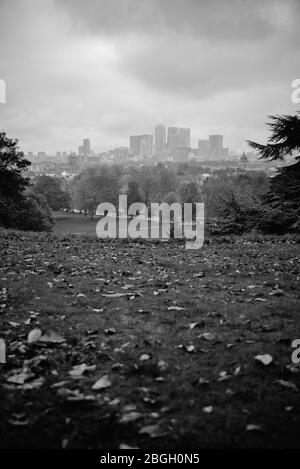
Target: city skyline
(164, 139)
(162, 64)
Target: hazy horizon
(105, 70)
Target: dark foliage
(284, 139)
(50, 188)
(19, 209)
(12, 166)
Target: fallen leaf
(287, 384)
(124, 446)
(152, 430)
(144, 357)
(78, 370)
(113, 295)
(102, 383)
(20, 378)
(190, 348)
(208, 409)
(34, 336)
(130, 417)
(264, 359)
(253, 427)
(207, 336)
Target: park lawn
(74, 223)
(177, 349)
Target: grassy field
(170, 337)
(74, 223)
(80, 224)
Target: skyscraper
(160, 137)
(134, 144)
(141, 145)
(173, 137)
(146, 145)
(216, 146)
(203, 148)
(85, 150)
(184, 137)
(86, 146)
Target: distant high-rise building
(173, 137)
(86, 146)
(141, 145)
(146, 145)
(216, 146)
(85, 150)
(203, 148)
(134, 144)
(184, 137)
(160, 138)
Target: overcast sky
(105, 69)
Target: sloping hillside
(148, 345)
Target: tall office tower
(173, 137)
(134, 144)
(203, 148)
(216, 146)
(86, 147)
(85, 150)
(160, 137)
(184, 137)
(146, 145)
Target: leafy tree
(284, 194)
(133, 193)
(189, 193)
(18, 208)
(167, 182)
(285, 188)
(12, 168)
(50, 188)
(284, 139)
(34, 214)
(148, 184)
(94, 186)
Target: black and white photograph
(149, 228)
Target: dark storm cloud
(222, 20)
(197, 48)
(106, 69)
